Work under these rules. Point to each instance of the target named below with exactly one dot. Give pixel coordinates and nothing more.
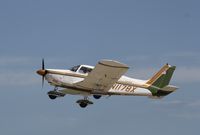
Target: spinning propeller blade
(43, 68)
(42, 72)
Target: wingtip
(113, 63)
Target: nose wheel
(55, 93)
(83, 103)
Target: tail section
(159, 83)
(163, 77)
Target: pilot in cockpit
(85, 70)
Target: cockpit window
(85, 70)
(75, 68)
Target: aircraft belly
(72, 91)
(142, 92)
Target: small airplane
(105, 79)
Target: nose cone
(41, 72)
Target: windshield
(85, 70)
(75, 68)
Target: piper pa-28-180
(106, 78)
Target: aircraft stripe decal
(158, 74)
(67, 74)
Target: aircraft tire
(83, 104)
(97, 96)
(52, 97)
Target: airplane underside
(56, 93)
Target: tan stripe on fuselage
(66, 73)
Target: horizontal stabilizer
(169, 88)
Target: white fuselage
(124, 86)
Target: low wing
(103, 76)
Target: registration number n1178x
(121, 87)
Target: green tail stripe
(163, 80)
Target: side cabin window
(85, 70)
(75, 68)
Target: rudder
(161, 79)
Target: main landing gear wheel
(84, 103)
(52, 97)
(97, 96)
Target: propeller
(43, 68)
(42, 72)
